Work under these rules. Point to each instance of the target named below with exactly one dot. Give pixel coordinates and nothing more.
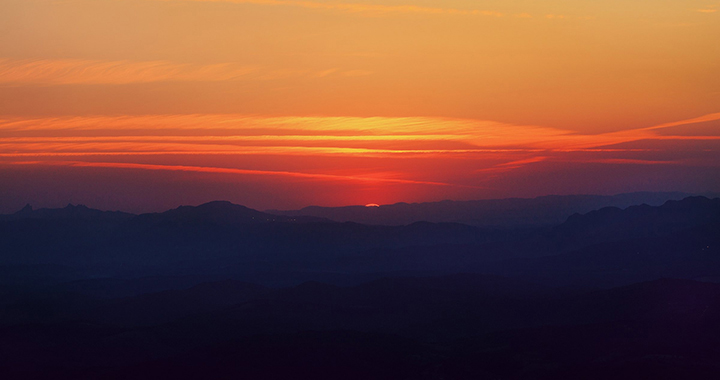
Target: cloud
(78, 71)
(701, 119)
(472, 147)
(345, 134)
(222, 170)
(376, 9)
(511, 165)
(629, 161)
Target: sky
(145, 105)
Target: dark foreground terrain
(222, 291)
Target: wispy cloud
(629, 161)
(695, 120)
(151, 142)
(373, 133)
(366, 8)
(79, 71)
(222, 170)
(511, 165)
(374, 9)
(74, 71)
(710, 8)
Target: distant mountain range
(223, 291)
(609, 246)
(77, 212)
(511, 212)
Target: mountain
(223, 240)
(611, 247)
(610, 293)
(69, 212)
(214, 239)
(540, 211)
(451, 327)
(612, 223)
(169, 305)
(219, 213)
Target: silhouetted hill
(671, 241)
(218, 213)
(511, 212)
(222, 240)
(611, 223)
(208, 240)
(76, 212)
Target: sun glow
(335, 102)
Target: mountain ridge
(539, 211)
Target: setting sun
(281, 104)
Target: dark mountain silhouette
(611, 223)
(220, 213)
(610, 293)
(511, 212)
(109, 287)
(452, 327)
(210, 239)
(76, 212)
(169, 305)
(692, 254)
(222, 240)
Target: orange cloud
(221, 170)
(624, 161)
(238, 134)
(459, 148)
(363, 8)
(506, 166)
(701, 119)
(78, 71)
(74, 71)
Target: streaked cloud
(628, 161)
(222, 170)
(326, 132)
(497, 147)
(366, 8)
(78, 71)
(410, 155)
(700, 119)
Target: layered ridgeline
(223, 291)
(540, 211)
(610, 246)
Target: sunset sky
(144, 105)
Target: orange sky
(147, 104)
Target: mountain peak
(25, 210)
(641, 220)
(221, 212)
